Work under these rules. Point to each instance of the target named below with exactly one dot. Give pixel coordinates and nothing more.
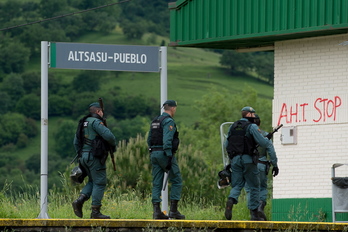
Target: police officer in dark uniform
(264, 166)
(243, 137)
(85, 143)
(163, 141)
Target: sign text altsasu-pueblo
(128, 58)
(104, 57)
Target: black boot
(96, 214)
(254, 215)
(261, 210)
(157, 213)
(174, 212)
(77, 205)
(228, 210)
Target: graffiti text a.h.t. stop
(325, 109)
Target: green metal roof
(238, 24)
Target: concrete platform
(163, 225)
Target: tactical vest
(157, 134)
(88, 139)
(238, 142)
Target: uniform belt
(156, 148)
(263, 162)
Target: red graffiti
(326, 108)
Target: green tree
(59, 106)
(15, 127)
(32, 37)
(73, 26)
(87, 4)
(55, 85)
(99, 21)
(5, 102)
(237, 62)
(128, 128)
(80, 103)
(13, 86)
(32, 82)
(50, 8)
(11, 126)
(153, 16)
(31, 129)
(87, 81)
(13, 56)
(33, 163)
(128, 107)
(133, 30)
(46, 31)
(64, 138)
(29, 105)
(264, 66)
(9, 10)
(22, 140)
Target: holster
(255, 156)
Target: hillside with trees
(210, 87)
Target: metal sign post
(163, 99)
(44, 130)
(92, 57)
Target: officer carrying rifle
(264, 165)
(93, 141)
(243, 138)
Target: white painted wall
(311, 93)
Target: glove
(269, 136)
(275, 171)
(169, 164)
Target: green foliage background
(210, 87)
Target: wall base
(305, 210)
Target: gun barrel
(276, 129)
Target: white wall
(311, 93)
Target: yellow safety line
(143, 223)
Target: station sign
(104, 57)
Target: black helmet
(225, 177)
(77, 175)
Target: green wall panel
(305, 209)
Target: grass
(118, 205)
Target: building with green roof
(308, 38)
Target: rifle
(100, 100)
(75, 158)
(270, 135)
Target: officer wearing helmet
(163, 142)
(242, 140)
(90, 130)
(264, 166)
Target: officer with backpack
(163, 142)
(264, 166)
(242, 140)
(92, 141)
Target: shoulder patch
(102, 123)
(170, 128)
